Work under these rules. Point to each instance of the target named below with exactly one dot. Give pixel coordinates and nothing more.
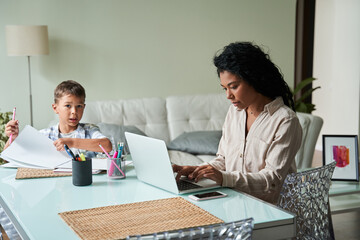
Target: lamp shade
(23, 40)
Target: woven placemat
(119, 221)
(24, 173)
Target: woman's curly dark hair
(251, 64)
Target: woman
(261, 133)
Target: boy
(69, 104)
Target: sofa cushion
(183, 158)
(147, 114)
(116, 133)
(205, 112)
(197, 142)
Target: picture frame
(344, 150)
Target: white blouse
(258, 163)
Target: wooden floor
(346, 225)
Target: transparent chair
(238, 230)
(8, 226)
(307, 195)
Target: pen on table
(121, 146)
(111, 168)
(71, 154)
(119, 155)
(78, 157)
(118, 150)
(82, 157)
(13, 118)
(112, 160)
(104, 151)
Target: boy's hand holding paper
(32, 149)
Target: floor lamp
(25, 40)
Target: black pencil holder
(82, 172)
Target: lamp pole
(27, 40)
(30, 94)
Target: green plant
(4, 118)
(300, 105)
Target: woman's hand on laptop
(182, 170)
(206, 171)
(198, 172)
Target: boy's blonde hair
(69, 87)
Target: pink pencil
(111, 169)
(13, 118)
(112, 161)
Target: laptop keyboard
(185, 185)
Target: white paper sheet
(35, 149)
(67, 170)
(97, 164)
(16, 164)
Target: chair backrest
(239, 230)
(307, 195)
(311, 126)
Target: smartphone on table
(206, 196)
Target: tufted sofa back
(162, 118)
(196, 113)
(168, 118)
(147, 114)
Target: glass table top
(35, 203)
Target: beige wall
(337, 66)
(136, 48)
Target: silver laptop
(152, 165)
